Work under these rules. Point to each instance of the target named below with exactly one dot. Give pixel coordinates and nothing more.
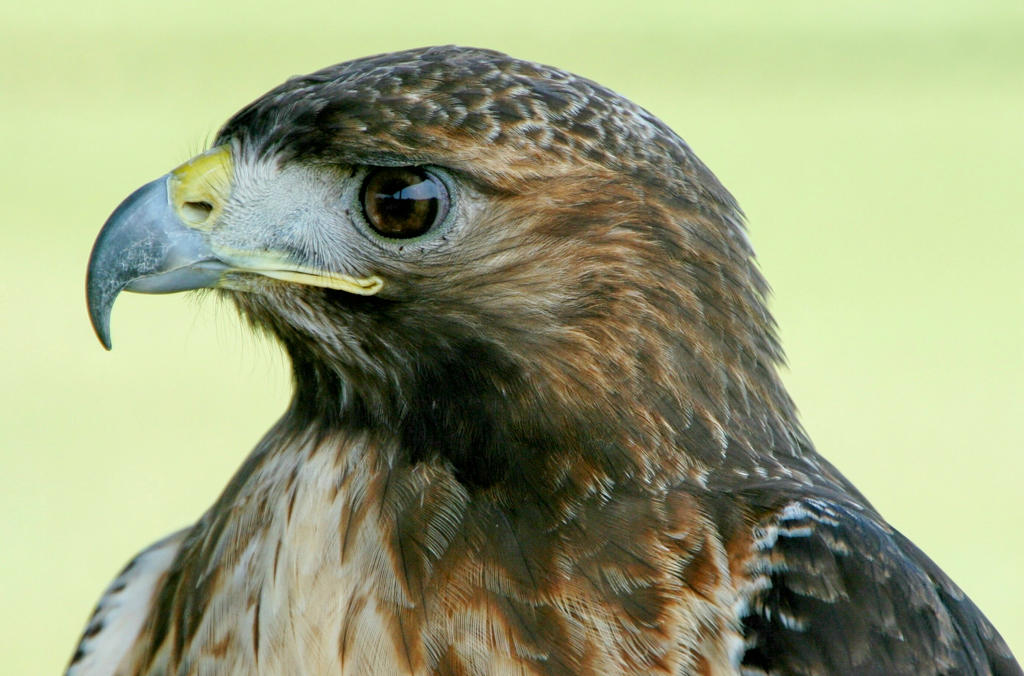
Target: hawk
(537, 424)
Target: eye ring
(403, 202)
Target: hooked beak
(144, 247)
(157, 241)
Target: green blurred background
(876, 147)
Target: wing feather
(122, 610)
(848, 594)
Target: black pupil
(402, 202)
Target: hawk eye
(403, 202)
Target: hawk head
(537, 424)
(476, 256)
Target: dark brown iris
(403, 202)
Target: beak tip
(99, 317)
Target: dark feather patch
(848, 595)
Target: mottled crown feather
(457, 103)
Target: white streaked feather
(123, 609)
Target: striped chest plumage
(327, 562)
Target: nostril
(196, 212)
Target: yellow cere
(200, 187)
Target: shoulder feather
(845, 593)
(123, 609)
